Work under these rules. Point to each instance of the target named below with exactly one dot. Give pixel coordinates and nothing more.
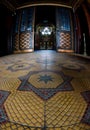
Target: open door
(45, 37)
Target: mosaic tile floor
(44, 90)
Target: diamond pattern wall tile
(16, 40)
(25, 40)
(65, 40)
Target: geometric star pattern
(45, 78)
(3, 97)
(86, 117)
(45, 84)
(44, 90)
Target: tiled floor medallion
(86, 117)
(72, 66)
(18, 66)
(3, 97)
(45, 84)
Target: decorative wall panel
(24, 30)
(25, 39)
(16, 42)
(63, 29)
(65, 40)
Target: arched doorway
(45, 37)
(45, 23)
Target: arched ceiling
(20, 3)
(17, 4)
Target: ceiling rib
(39, 4)
(77, 4)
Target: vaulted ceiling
(17, 4)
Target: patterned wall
(65, 40)
(25, 40)
(24, 30)
(63, 29)
(16, 42)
